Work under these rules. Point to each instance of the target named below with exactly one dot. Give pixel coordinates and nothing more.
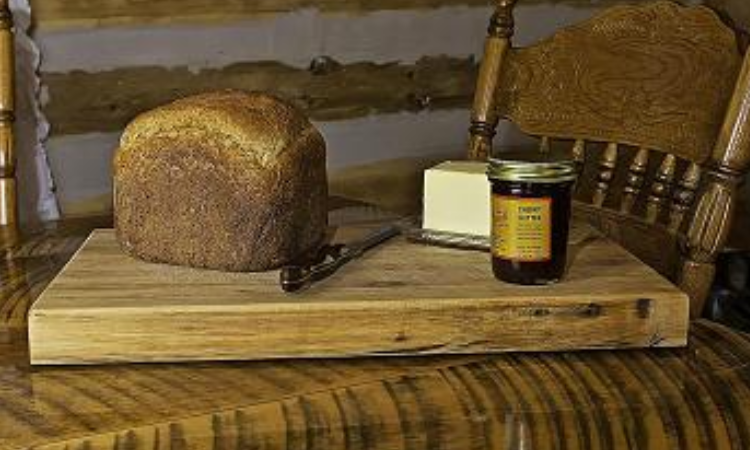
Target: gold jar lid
(532, 167)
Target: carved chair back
(653, 101)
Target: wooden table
(694, 398)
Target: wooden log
(82, 102)
(52, 14)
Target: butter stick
(457, 198)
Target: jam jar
(531, 200)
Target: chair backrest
(653, 101)
(8, 195)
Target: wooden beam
(96, 13)
(82, 102)
(54, 14)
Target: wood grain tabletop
(692, 398)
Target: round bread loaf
(230, 181)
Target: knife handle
(296, 277)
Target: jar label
(522, 228)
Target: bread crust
(230, 181)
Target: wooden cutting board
(400, 299)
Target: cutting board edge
(83, 361)
(666, 326)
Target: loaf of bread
(230, 181)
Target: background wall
(737, 10)
(383, 79)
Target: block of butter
(457, 198)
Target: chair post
(484, 115)
(8, 194)
(708, 230)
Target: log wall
(384, 79)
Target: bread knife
(331, 258)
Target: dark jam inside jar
(530, 220)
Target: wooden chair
(653, 101)
(8, 195)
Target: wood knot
(592, 310)
(643, 306)
(323, 65)
(7, 171)
(420, 101)
(7, 116)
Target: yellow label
(522, 228)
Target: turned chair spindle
(484, 117)
(661, 188)
(8, 189)
(684, 195)
(545, 144)
(578, 152)
(607, 166)
(635, 180)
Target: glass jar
(531, 198)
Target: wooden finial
(502, 23)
